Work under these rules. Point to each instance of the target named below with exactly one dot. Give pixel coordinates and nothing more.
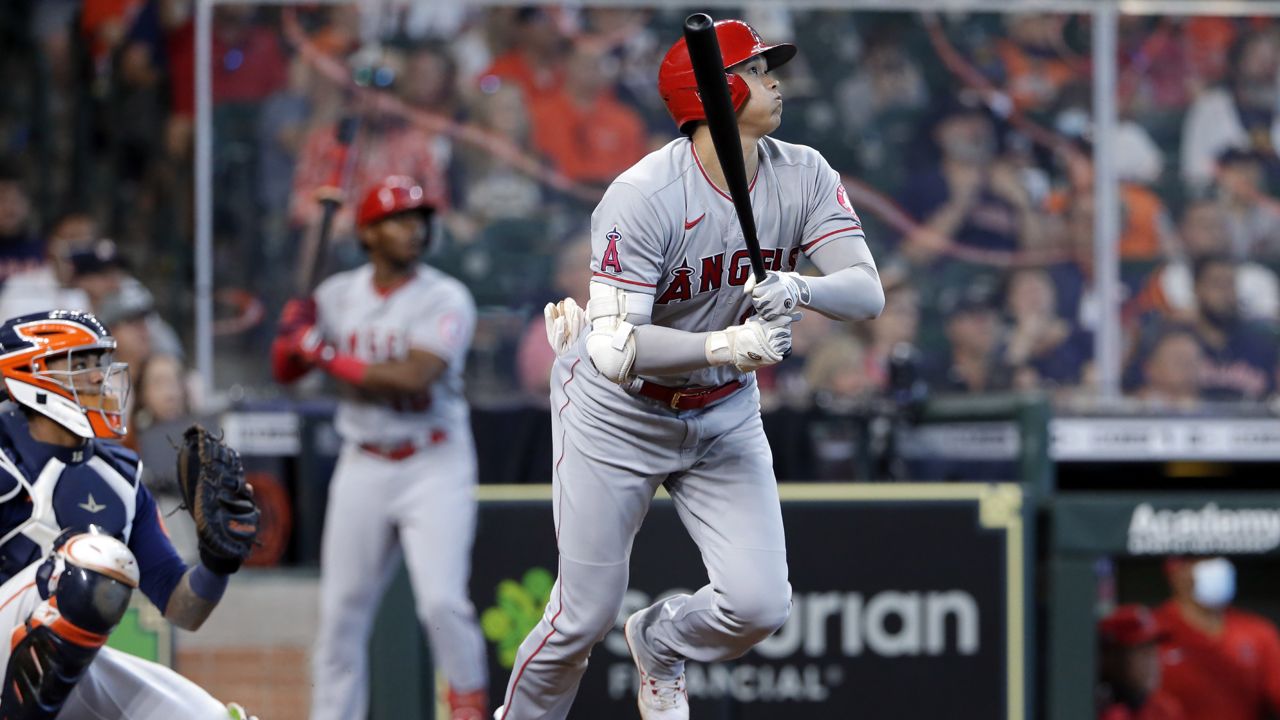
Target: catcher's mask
(60, 364)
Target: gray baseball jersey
(431, 311)
(664, 229)
(418, 502)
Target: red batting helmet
(394, 195)
(739, 42)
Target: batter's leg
(437, 519)
(357, 560)
(598, 509)
(729, 503)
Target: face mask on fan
(1215, 583)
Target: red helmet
(59, 364)
(394, 195)
(739, 42)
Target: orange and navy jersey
(98, 483)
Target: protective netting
(964, 140)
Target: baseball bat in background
(713, 88)
(331, 197)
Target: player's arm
(848, 289)
(833, 240)
(438, 339)
(413, 374)
(186, 595)
(623, 343)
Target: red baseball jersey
(1232, 676)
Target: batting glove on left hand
(565, 321)
(781, 293)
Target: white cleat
(657, 699)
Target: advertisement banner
(907, 602)
(1169, 524)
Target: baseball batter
(396, 333)
(660, 390)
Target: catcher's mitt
(211, 479)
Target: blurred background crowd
(965, 142)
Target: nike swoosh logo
(689, 224)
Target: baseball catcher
(80, 532)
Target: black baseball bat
(713, 88)
(315, 255)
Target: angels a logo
(609, 260)
(681, 287)
(842, 197)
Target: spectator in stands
(20, 246)
(1218, 661)
(431, 79)
(160, 414)
(1146, 232)
(121, 301)
(968, 198)
(48, 285)
(975, 363)
(898, 323)
(1129, 668)
(875, 106)
(1240, 356)
(535, 61)
(1035, 66)
(387, 144)
(492, 188)
(586, 133)
(1172, 370)
(535, 356)
(835, 372)
(305, 101)
(1253, 216)
(1045, 350)
(1241, 116)
(1203, 232)
(251, 64)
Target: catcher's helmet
(739, 42)
(59, 364)
(394, 195)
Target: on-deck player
(395, 332)
(65, 589)
(661, 390)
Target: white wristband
(717, 347)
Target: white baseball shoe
(657, 699)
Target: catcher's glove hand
(211, 479)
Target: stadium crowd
(965, 143)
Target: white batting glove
(753, 344)
(565, 321)
(781, 293)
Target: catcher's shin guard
(85, 585)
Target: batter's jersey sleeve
(446, 330)
(628, 239)
(830, 216)
(159, 566)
